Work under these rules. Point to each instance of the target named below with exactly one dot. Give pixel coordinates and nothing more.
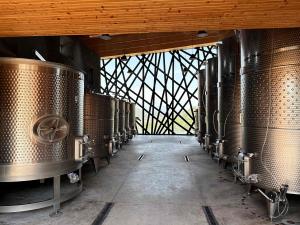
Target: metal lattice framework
(163, 86)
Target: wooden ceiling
(129, 44)
(131, 22)
(91, 17)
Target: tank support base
(54, 202)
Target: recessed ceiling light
(202, 33)
(123, 58)
(105, 37)
(193, 57)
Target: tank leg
(211, 152)
(80, 174)
(249, 189)
(222, 163)
(108, 159)
(96, 164)
(272, 207)
(225, 164)
(56, 197)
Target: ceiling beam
(132, 44)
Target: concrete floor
(160, 189)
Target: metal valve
(80, 154)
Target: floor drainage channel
(141, 157)
(103, 214)
(186, 158)
(210, 217)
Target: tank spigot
(81, 154)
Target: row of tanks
(248, 111)
(109, 122)
(51, 126)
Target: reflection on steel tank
(211, 90)
(127, 118)
(270, 101)
(117, 137)
(229, 126)
(99, 125)
(201, 106)
(196, 123)
(122, 129)
(132, 121)
(42, 115)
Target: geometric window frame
(163, 85)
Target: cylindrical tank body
(196, 123)
(132, 122)
(122, 129)
(106, 116)
(229, 127)
(116, 122)
(99, 113)
(270, 103)
(42, 114)
(201, 106)
(211, 96)
(127, 116)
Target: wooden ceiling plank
(89, 17)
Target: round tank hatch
(50, 129)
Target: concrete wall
(65, 50)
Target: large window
(163, 86)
